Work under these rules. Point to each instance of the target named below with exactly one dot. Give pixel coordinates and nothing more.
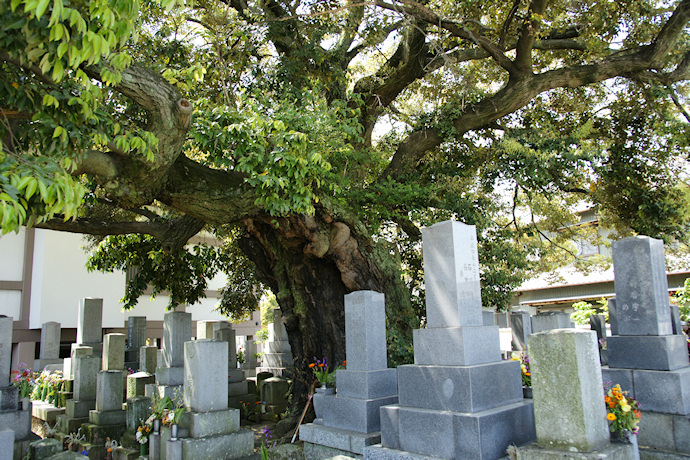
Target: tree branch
(518, 92)
(424, 14)
(523, 58)
(173, 234)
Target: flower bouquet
(623, 411)
(24, 379)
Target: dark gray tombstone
(521, 325)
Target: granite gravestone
(643, 348)
(350, 420)
(459, 400)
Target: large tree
(316, 137)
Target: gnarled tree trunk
(311, 263)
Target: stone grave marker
(90, 325)
(521, 325)
(50, 346)
(177, 329)
(569, 407)
(277, 354)
(148, 358)
(113, 352)
(459, 399)
(549, 320)
(213, 429)
(352, 417)
(136, 338)
(645, 357)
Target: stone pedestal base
(108, 417)
(236, 402)
(460, 388)
(651, 388)
(361, 415)
(662, 353)
(68, 425)
(204, 424)
(378, 452)
(171, 391)
(19, 421)
(462, 346)
(226, 446)
(170, 375)
(615, 451)
(445, 434)
(276, 371)
(343, 440)
(46, 412)
(79, 409)
(40, 364)
(665, 432)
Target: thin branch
(30, 67)
(507, 22)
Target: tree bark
(311, 264)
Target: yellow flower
(625, 407)
(611, 417)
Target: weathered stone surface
(451, 273)
(177, 329)
(560, 359)
(138, 410)
(86, 370)
(206, 375)
(274, 390)
(6, 323)
(90, 321)
(203, 424)
(114, 352)
(234, 445)
(148, 359)
(170, 375)
(19, 421)
(50, 340)
(111, 417)
(642, 306)
(9, 398)
(136, 383)
(44, 448)
(79, 409)
(109, 390)
(456, 346)
(551, 320)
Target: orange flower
(527, 374)
(619, 396)
(612, 404)
(637, 413)
(312, 365)
(320, 364)
(345, 363)
(611, 417)
(607, 399)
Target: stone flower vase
(173, 432)
(527, 392)
(26, 403)
(627, 438)
(144, 449)
(157, 425)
